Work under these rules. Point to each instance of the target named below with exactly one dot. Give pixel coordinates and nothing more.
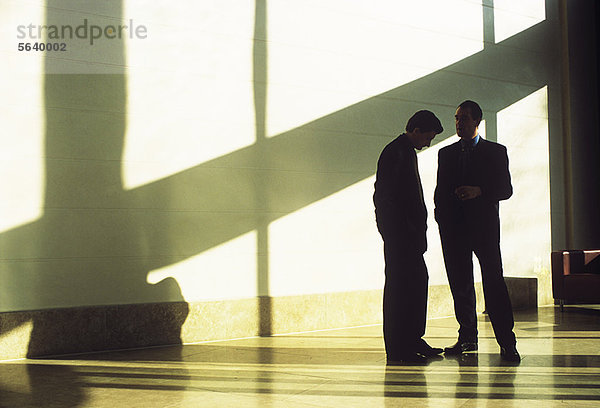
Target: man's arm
(499, 186)
(392, 195)
(443, 194)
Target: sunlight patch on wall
(13, 344)
(434, 260)
(227, 271)
(329, 246)
(526, 228)
(511, 17)
(22, 125)
(325, 57)
(190, 95)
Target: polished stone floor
(334, 368)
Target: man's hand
(467, 192)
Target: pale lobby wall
(230, 154)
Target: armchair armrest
(576, 276)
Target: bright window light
(512, 17)
(22, 126)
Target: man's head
(422, 127)
(468, 116)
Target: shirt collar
(471, 143)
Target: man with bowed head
(472, 178)
(402, 222)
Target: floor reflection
(346, 367)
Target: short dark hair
(474, 108)
(426, 121)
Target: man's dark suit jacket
(399, 207)
(488, 169)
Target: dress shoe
(406, 358)
(461, 347)
(510, 353)
(427, 350)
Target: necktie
(463, 158)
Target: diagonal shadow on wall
(94, 234)
(311, 162)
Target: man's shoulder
(492, 146)
(396, 145)
(450, 148)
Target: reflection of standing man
(472, 177)
(402, 221)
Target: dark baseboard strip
(116, 327)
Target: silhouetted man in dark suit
(472, 178)
(402, 221)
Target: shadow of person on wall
(92, 243)
(91, 251)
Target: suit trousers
(460, 239)
(404, 298)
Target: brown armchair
(576, 276)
